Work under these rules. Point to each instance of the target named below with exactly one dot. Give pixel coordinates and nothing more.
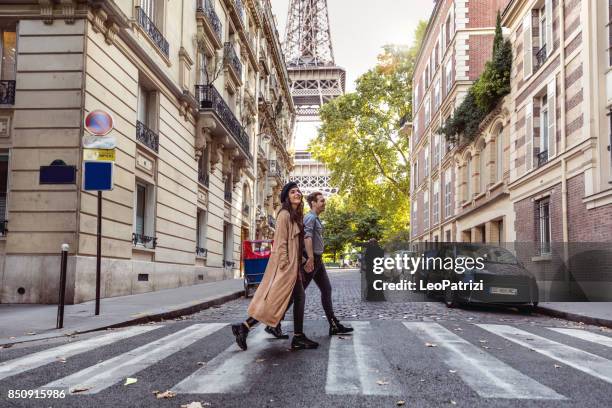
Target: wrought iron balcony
(3, 227)
(207, 8)
(7, 92)
(203, 252)
(542, 158)
(240, 10)
(231, 59)
(143, 240)
(229, 263)
(209, 99)
(204, 178)
(152, 31)
(541, 57)
(246, 209)
(228, 196)
(147, 137)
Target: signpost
(98, 168)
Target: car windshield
(490, 254)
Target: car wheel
(527, 309)
(450, 299)
(246, 288)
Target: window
(436, 202)
(543, 225)
(437, 95)
(415, 173)
(228, 187)
(426, 161)
(413, 221)
(529, 136)
(426, 209)
(542, 156)
(427, 111)
(202, 68)
(415, 125)
(426, 76)
(447, 193)
(609, 32)
(416, 98)
(153, 10)
(527, 46)
(448, 236)
(204, 167)
(468, 180)
(144, 214)
(8, 52)
(202, 219)
(483, 170)
(3, 191)
(449, 75)
(448, 29)
(228, 246)
(499, 162)
(436, 150)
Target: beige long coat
(273, 294)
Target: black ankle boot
(337, 328)
(276, 332)
(241, 332)
(301, 342)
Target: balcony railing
(203, 252)
(240, 10)
(143, 240)
(7, 92)
(246, 209)
(153, 32)
(3, 227)
(228, 195)
(229, 263)
(147, 137)
(541, 57)
(230, 58)
(204, 178)
(542, 158)
(206, 7)
(209, 99)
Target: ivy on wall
(484, 95)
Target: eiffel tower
(315, 80)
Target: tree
(359, 139)
(337, 233)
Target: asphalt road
(421, 353)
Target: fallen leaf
(195, 404)
(557, 366)
(260, 360)
(61, 359)
(79, 389)
(31, 333)
(453, 402)
(201, 363)
(452, 371)
(458, 329)
(400, 403)
(485, 347)
(130, 380)
(382, 382)
(341, 338)
(482, 341)
(422, 380)
(275, 364)
(165, 394)
(431, 345)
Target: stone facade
(200, 99)
(555, 127)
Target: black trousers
(320, 277)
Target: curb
(574, 317)
(155, 317)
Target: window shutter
(548, 9)
(529, 136)
(552, 136)
(527, 46)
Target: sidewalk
(20, 323)
(596, 313)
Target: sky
(359, 29)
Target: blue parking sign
(97, 176)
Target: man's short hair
(312, 197)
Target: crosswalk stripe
(485, 374)
(580, 360)
(41, 358)
(356, 364)
(227, 372)
(585, 335)
(101, 376)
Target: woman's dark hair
(296, 215)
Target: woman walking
(283, 276)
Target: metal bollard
(62, 287)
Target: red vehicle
(255, 256)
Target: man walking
(314, 267)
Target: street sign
(57, 174)
(99, 155)
(99, 142)
(99, 122)
(97, 176)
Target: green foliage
(486, 92)
(359, 140)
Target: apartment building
(200, 99)
(456, 46)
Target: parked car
(396, 274)
(505, 281)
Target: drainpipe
(564, 217)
